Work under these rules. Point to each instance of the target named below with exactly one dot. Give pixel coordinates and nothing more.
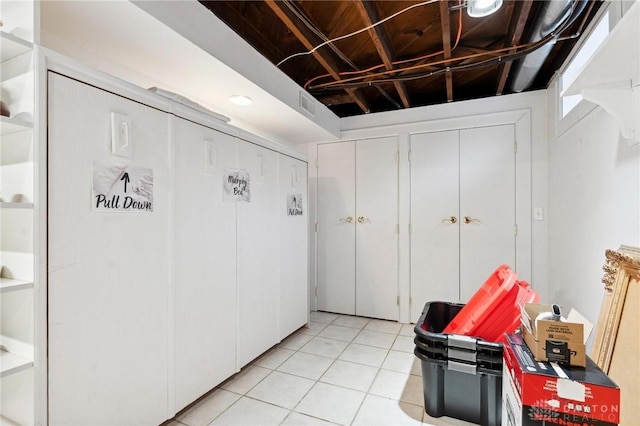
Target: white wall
(404, 122)
(594, 205)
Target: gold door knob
(468, 219)
(362, 219)
(451, 219)
(349, 219)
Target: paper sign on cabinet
(122, 188)
(236, 186)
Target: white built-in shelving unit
(17, 211)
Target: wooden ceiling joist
(445, 23)
(310, 40)
(521, 11)
(370, 15)
(337, 99)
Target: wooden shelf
(9, 284)
(12, 46)
(11, 363)
(15, 356)
(9, 125)
(611, 78)
(7, 205)
(6, 422)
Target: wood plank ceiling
(423, 52)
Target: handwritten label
(122, 188)
(294, 205)
(236, 184)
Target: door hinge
(398, 300)
(410, 229)
(397, 156)
(410, 301)
(316, 164)
(515, 147)
(409, 156)
(398, 229)
(515, 230)
(316, 226)
(316, 291)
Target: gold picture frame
(616, 345)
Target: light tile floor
(340, 370)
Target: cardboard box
(542, 393)
(555, 341)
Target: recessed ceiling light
(241, 100)
(480, 8)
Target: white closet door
(205, 261)
(257, 253)
(434, 219)
(487, 198)
(292, 211)
(108, 272)
(336, 228)
(377, 228)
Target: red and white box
(542, 393)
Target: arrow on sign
(126, 180)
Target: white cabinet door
(462, 211)
(487, 198)
(336, 228)
(294, 234)
(205, 261)
(434, 219)
(377, 228)
(108, 272)
(257, 253)
(358, 228)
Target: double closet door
(358, 228)
(462, 211)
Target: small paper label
(294, 205)
(569, 389)
(237, 186)
(122, 188)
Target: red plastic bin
(506, 314)
(484, 302)
(495, 308)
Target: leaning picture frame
(616, 345)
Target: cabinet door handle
(349, 219)
(451, 219)
(468, 219)
(362, 219)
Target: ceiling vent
(307, 104)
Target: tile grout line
(325, 371)
(316, 381)
(337, 358)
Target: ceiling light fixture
(241, 100)
(480, 8)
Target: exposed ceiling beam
(445, 23)
(369, 13)
(310, 40)
(341, 17)
(250, 31)
(337, 99)
(521, 12)
(484, 53)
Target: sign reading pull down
(122, 188)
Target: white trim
(438, 125)
(41, 362)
